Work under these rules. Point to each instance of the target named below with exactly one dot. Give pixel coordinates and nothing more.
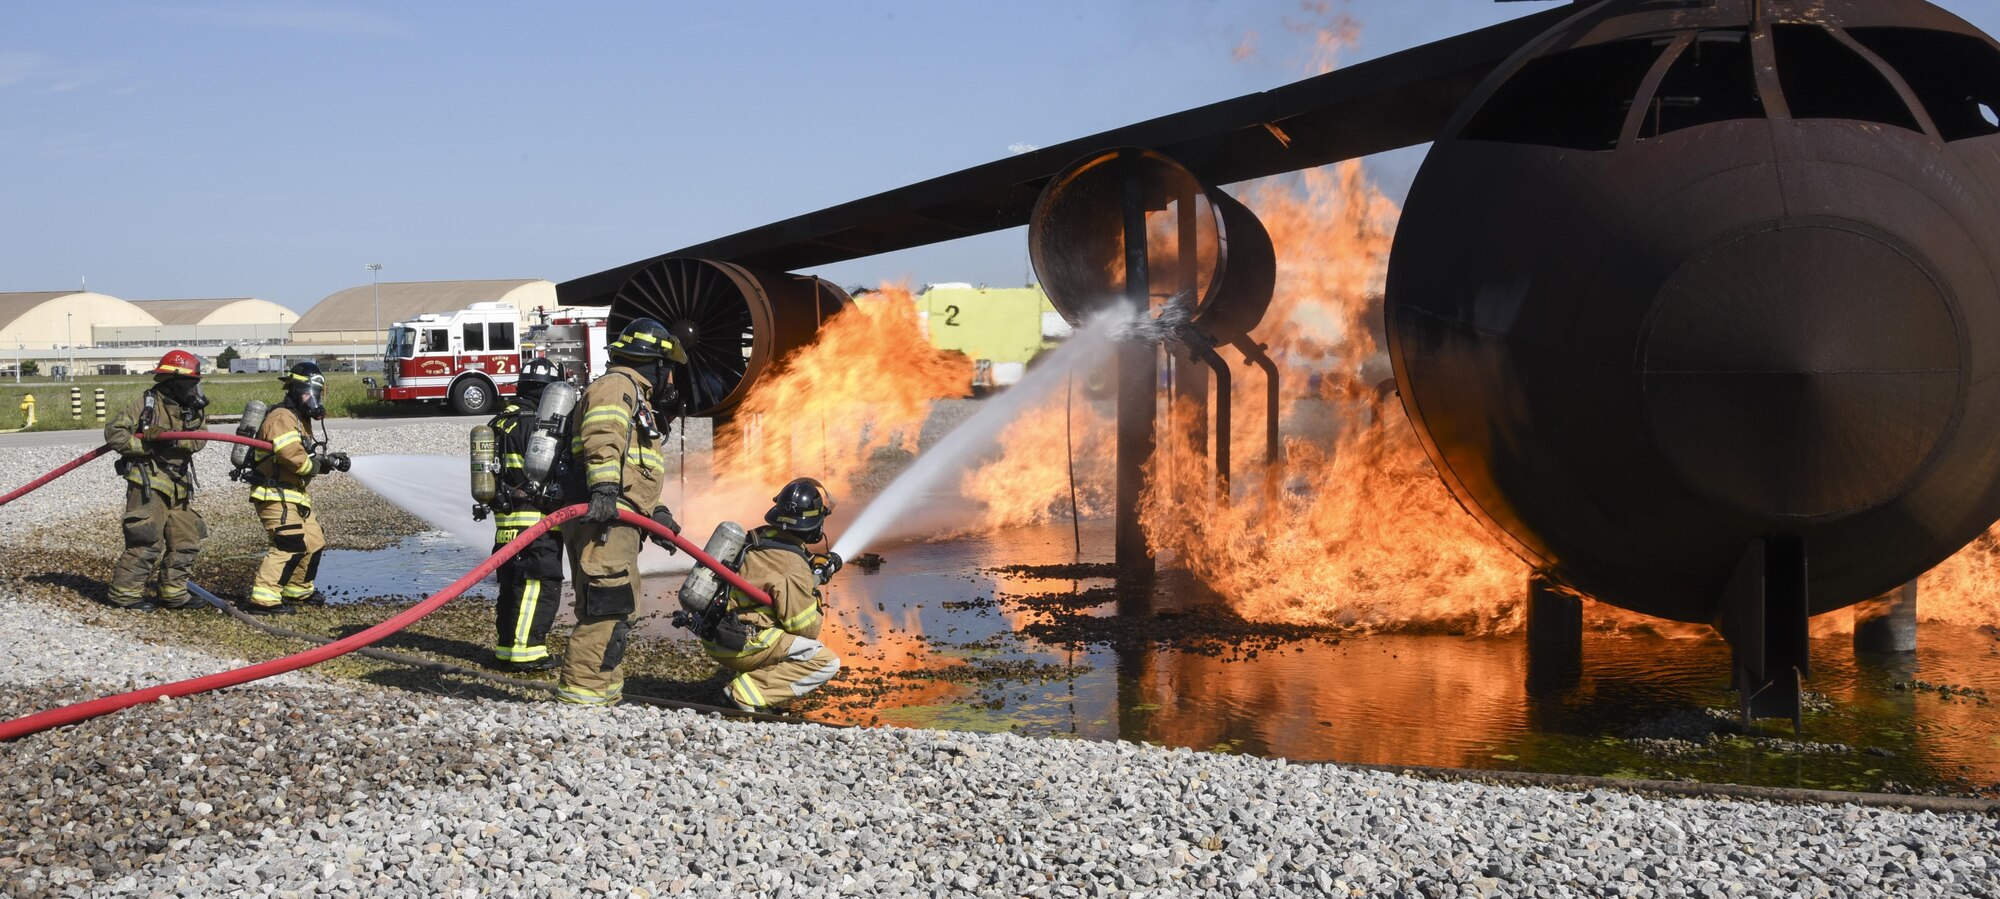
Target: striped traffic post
(97, 402)
(75, 403)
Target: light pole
(69, 324)
(374, 276)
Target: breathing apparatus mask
(646, 347)
(305, 390)
(184, 392)
(665, 398)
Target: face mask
(665, 398)
(184, 392)
(307, 397)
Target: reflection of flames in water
(1293, 711)
(865, 384)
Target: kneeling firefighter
(776, 649)
(530, 440)
(617, 444)
(162, 534)
(278, 479)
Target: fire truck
(469, 359)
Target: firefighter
(531, 581)
(781, 657)
(278, 480)
(617, 444)
(162, 533)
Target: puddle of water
(938, 639)
(412, 568)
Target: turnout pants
(530, 590)
(791, 668)
(606, 579)
(293, 561)
(162, 538)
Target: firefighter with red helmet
(163, 533)
(278, 479)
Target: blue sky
(184, 149)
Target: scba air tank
(484, 484)
(703, 587)
(551, 423)
(253, 420)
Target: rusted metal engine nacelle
(736, 323)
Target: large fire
(864, 386)
(1350, 528)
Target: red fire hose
(83, 711)
(72, 464)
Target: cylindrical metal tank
(1682, 277)
(1076, 239)
(735, 322)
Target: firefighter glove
(665, 519)
(322, 463)
(603, 504)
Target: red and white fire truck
(469, 359)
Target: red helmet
(179, 362)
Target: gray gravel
(310, 788)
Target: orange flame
(866, 384)
(1029, 483)
(1961, 590)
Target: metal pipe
(1253, 352)
(1222, 417)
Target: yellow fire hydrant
(28, 411)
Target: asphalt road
(336, 428)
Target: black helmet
(801, 507)
(305, 389)
(646, 340)
(536, 374)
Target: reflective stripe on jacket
(283, 472)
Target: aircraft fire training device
(1694, 304)
(734, 322)
(1732, 369)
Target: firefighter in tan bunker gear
(278, 480)
(617, 446)
(162, 534)
(776, 649)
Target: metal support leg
(1762, 614)
(1138, 389)
(1223, 425)
(1887, 623)
(1555, 635)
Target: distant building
(350, 316)
(232, 321)
(48, 320)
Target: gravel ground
(310, 787)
